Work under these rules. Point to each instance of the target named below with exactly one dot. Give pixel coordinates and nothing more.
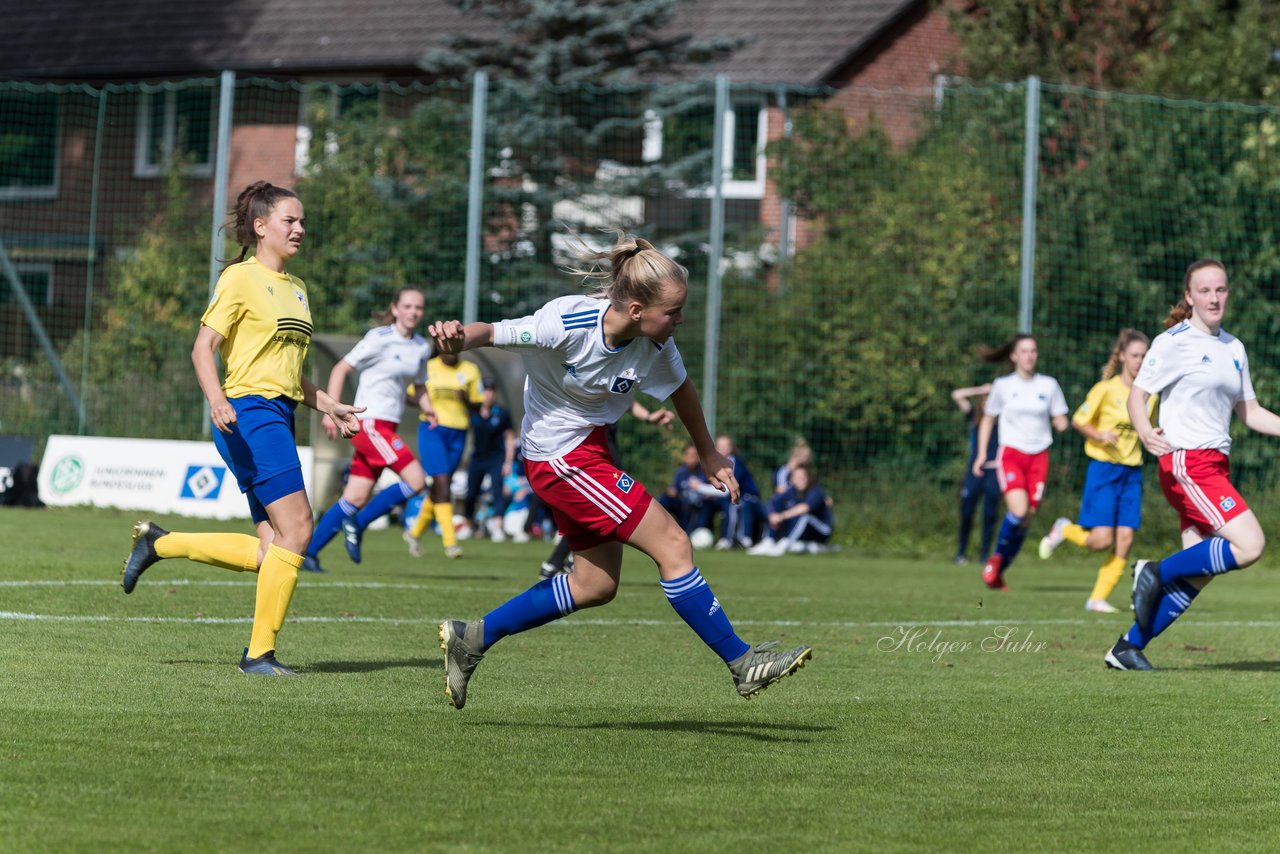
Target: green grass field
(125, 725)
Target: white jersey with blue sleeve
(1026, 408)
(388, 363)
(1200, 378)
(575, 382)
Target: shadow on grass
(771, 732)
(1245, 666)
(370, 666)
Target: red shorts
(378, 447)
(591, 499)
(1196, 485)
(1023, 471)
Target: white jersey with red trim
(1026, 409)
(575, 382)
(1200, 378)
(388, 363)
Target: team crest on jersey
(397, 443)
(625, 482)
(1204, 360)
(623, 382)
(1236, 362)
(271, 290)
(302, 298)
(1226, 502)
(571, 370)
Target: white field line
(578, 620)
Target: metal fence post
(475, 197)
(90, 265)
(221, 176)
(712, 352)
(1030, 170)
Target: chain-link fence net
(871, 243)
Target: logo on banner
(67, 474)
(203, 483)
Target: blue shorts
(261, 451)
(440, 448)
(1112, 496)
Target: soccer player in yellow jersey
(1111, 505)
(260, 322)
(455, 389)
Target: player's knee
(1106, 539)
(594, 592)
(1249, 549)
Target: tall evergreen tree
(567, 92)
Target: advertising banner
(163, 476)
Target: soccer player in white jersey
(389, 357)
(586, 356)
(1027, 404)
(1201, 373)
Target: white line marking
(586, 621)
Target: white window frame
(46, 191)
(651, 148)
(169, 133)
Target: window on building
(325, 104)
(28, 145)
(172, 124)
(37, 281)
(672, 138)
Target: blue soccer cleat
(351, 534)
(263, 665)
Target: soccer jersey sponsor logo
(292, 330)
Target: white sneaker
(1050, 542)
(796, 548)
(414, 544)
(723, 545)
(764, 547)
(1101, 606)
(494, 526)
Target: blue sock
(543, 602)
(1176, 598)
(383, 502)
(1207, 557)
(329, 525)
(698, 606)
(1009, 543)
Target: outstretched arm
(718, 468)
(961, 396)
(1258, 418)
(451, 336)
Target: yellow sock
(444, 518)
(229, 551)
(276, 580)
(1109, 575)
(425, 515)
(1075, 535)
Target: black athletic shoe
(1146, 592)
(142, 555)
(1126, 656)
(351, 534)
(311, 563)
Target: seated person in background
(800, 519)
(683, 498)
(801, 455)
(518, 494)
(737, 520)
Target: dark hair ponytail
(996, 355)
(255, 201)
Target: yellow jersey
(1106, 408)
(443, 384)
(265, 321)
